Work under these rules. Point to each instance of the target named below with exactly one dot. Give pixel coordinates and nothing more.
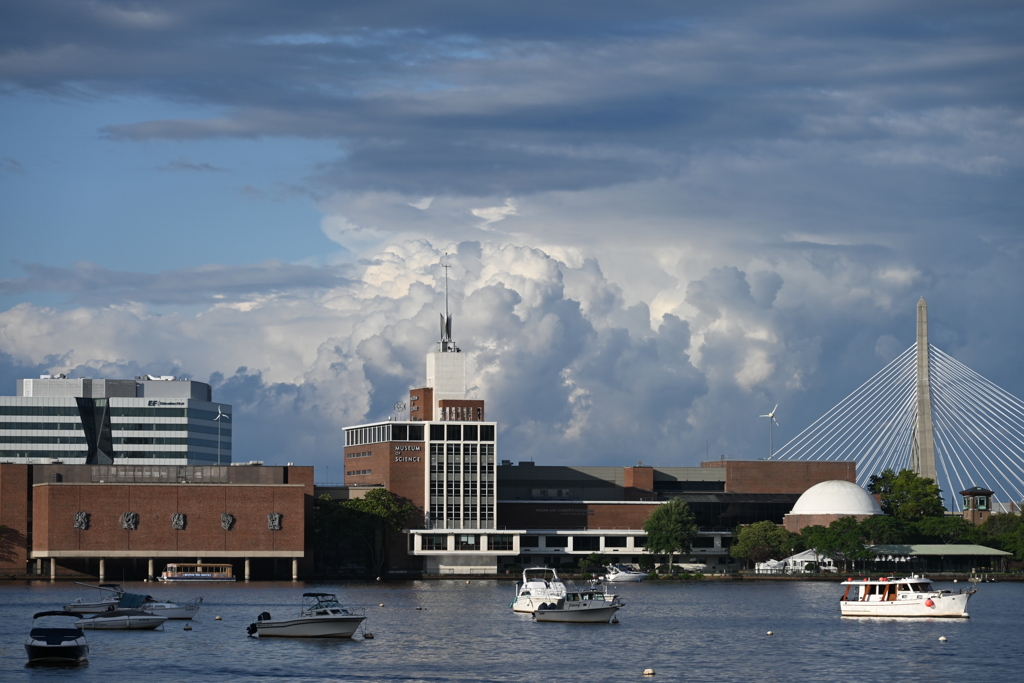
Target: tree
(365, 523)
(593, 561)
(671, 528)
(947, 529)
(761, 541)
(884, 530)
(907, 495)
(842, 540)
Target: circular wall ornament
(130, 521)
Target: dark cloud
(182, 165)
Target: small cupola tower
(977, 504)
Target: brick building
(130, 520)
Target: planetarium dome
(836, 498)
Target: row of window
(72, 411)
(581, 542)
(65, 455)
(467, 542)
(363, 454)
(358, 473)
(8, 438)
(225, 444)
(159, 474)
(411, 432)
(40, 426)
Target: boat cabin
(197, 572)
(886, 589)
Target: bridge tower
(922, 455)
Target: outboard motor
(251, 629)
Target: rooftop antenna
(446, 343)
(771, 421)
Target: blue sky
(664, 218)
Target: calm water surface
(686, 632)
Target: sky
(662, 218)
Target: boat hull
(130, 623)
(943, 606)
(591, 615)
(57, 655)
(310, 627)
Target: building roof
(836, 497)
(922, 549)
(976, 491)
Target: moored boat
(163, 608)
(62, 646)
(541, 586)
(912, 596)
(620, 573)
(578, 608)
(121, 620)
(321, 616)
(111, 593)
(179, 573)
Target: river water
(449, 630)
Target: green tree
(761, 541)
(366, 523)
(883, 529)
(671, 528)
(907, 495)
(946, 529)
(593, 561)
(842, 540)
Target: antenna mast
(446, 343)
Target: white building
(142, 421)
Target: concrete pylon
(922, 454)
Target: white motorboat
(906, 597)
(122, 620)
(541, 586)
(62, 646)
(619, 573)
(580, 608)
(108, 598)
(163, 608)
(321, 616)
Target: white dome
(836, 498)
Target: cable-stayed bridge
(925, 411)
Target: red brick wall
(54, 507)
(640, 478)
(379, 463)
(14, 514)
(557, 515)
(794, 523)
(422, 400)
(777, 476)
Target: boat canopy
(57, 613)
(133, 600)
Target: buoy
(955, 581)
(367, 636)
(217, 618)
(419, 608)
(929, 603)
(770, 633)
(378, 578)
(648, 672)
(942, 639)
(380, 605)
(615, 620)
(188, 627)
(467, 581)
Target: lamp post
(220, 416)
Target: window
(454, 432)
(614, 541)
(703, 542)
(967, 502)
(487, 432)
(415, 432)
(639, 541)
(361, 454)
(437, 432)
(556, 542)
(584, 542)
(469, 433)
(357, 473)
(435, 542)
(529, 541)
(499, 542)
(982, 502)
(400, 432)
(467, 542)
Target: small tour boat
(197, 572)
(901, 597)
(61, 646)
(618, 573)
(580, 608)
(321, 616)
(541, 586)
(111, 594)
(122, 620)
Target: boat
(619, 573)
(321, 616)
(196, 572)
(63, 646)
(912, 596)
(581, 608)
(541, 586)
(121, 620)
(163, 608)
(112, 593)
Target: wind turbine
(771, 421)
(220, 416)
